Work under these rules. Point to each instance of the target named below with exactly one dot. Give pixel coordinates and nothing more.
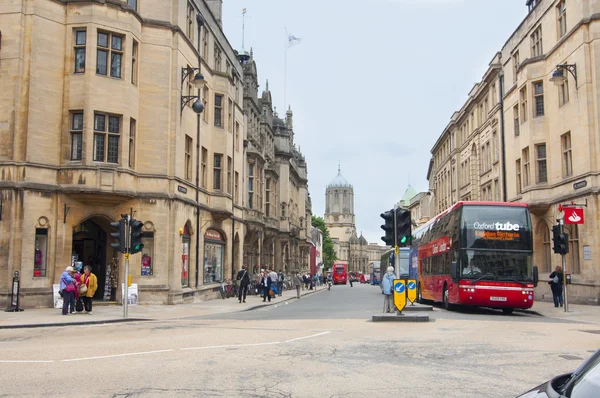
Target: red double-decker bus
(477, 254)
(340, 273)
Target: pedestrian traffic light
(136, 236)
(388, 227)
(561, 241)
(121, 244)
(403, 227)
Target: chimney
(216, 7)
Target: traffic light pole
(561, 222)
(396, 250)
(126, 284)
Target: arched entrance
(91, 247)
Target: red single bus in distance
(477, 254)
(340, 273)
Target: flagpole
(285, 73)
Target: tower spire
(339, 168)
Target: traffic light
(121, 245)
(388, 227)
(136, 236)
(561, 241)
(403, 227)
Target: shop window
(40, 252)
(214, 249)
(148, 254)
(185, 252)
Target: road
(322, 345)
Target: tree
(328, 252)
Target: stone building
(278, 205)
(340, 221)
(114, 129)
(550, 136)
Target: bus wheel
(508, 311)
(445, 295)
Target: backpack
(281, 277)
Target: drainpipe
(502, 142)
(235, 75)
(200, 21)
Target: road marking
(117, 355)
(25, 361)
(230, 346)
(307, 337)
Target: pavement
(577, 312)
(50, 317)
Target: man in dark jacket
(244, 281)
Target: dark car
(582, 383)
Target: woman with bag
(89, 285)
(265, 282)
(556, 285)
(68, 288)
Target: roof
(408, 195)
(362, 240)
(339, 181)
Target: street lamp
(559, 78)
(198, 83)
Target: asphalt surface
(322, 345)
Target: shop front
(214, 255)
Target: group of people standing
(75, 286)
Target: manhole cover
(570, 357)
(591, 331)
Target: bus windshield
(339, 270)
(495, 228)
(497, 266)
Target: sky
(372, 83)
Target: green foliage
(328, 252)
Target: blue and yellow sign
(411, 288)
(399, 294)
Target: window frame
(189, 144)
(76, 132)
(134, 62)
(229, 114)
(537, 49)
(41, 239)
(218, 172)
(518, 175)
(134, 6)
(148, 241)
(190, 16)
(561, 19)
(515, 59)
(538, 98)
(523, 104)
(218, 111)
(237, 187)
(516, 120)
(251, 168)
(563, 93)
(77, 47)
(567, 155)
(541, 163)
(229, 172)
(267, 197)
(204, 162)
(107, 134)
(132, 136)
(110, 51)
(526, 166)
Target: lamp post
(558, 76)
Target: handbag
(82, 289)
(79, 305)
(238, 282)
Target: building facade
(340, 221)
(548, 136)
(119, 133)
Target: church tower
(339, 208)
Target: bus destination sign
(498, 235)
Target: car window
(587, 384)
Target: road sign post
(399, 294)
(561, 222)
(411, 291)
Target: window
(496, 190)
(538, 97)
(561, 9)
(76, 135)
(567, 159)
(237, 188)
(132, 127)
(132, 4)
(484, 166)
(516, 116)
(488, 156)
(481, 115)
(573, 256)
(547, 242)
(188, 157)
(260, 186)
(204, 161)
(190, 87)
(563, 93)
(80, 39)
(190, 22)
(40, 252)
(106, 138)
(148, 254)
(229, 115)
(542, 171)
(495, 146)
(205, 43)
(218, 110)
(268, 198)
(205, 101)
(134, 63)
(523, 100)
(217, 165)
(229, 171)
(250, 185)
(536, 42)
(518, 170)
(526, 166)
(114, 53)
(237, 137)
(283, 210)
(217, 57)
(515, 59)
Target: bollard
(14, 296)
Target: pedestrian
(243, 281)
(281, 278)
(75, 298)
(297, 284)
(387, 283)
(316, 281)
(351, 277)
(68, 288)
(556, 285)
(265, 282)
(91, 282)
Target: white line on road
(307, 337)
(117, 355)
(229, 346)
(25, 361)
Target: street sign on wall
(573, 215)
